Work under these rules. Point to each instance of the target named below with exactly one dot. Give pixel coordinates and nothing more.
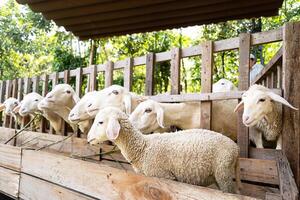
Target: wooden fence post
(243, 131)
(128, 71)
(175, 71)
(54, 83)
(12, 122)
(66, 81)
(206, 83)
(8, 90)
(35, 84)
(93, 78)
(27, 82)
(78, 81)
(2, 98)
(150, 63)
(291, 88)
(109, 67)
(44, 92)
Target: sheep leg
(279, 142)
(256, 137)
(223, 176)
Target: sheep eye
(36, 100)
(115, 92)
(148, 110)
(261, 100)
(68, 91)
(90, 105)
(100, 123)
(222, 83)
(16, 103)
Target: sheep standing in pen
(8, 107)
(262, 110)
(151, 116)
(92, 102)
(61, 100)
(29, 106)
(196, 156)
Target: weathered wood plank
(8, 93)
(291, 87)
(288, 187)
(35, 189)
(9, 182)
(175, 71)
(35, 84)
(128, 74)
(93, 78)
(109, 183)
(10, 157)
(109, 73)
(257, 170)
(150, 63)
(272, 196)
(266, 154)
(206, 84)
(78, 81)
(66, 76)
(243, 132)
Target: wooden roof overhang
(101, 18)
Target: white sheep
(61, 100)
(29, 106)
(262, 110)
(92, 102)
(151, 116)
(196, 156)
(8, 107)
(224, 85)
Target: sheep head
(9, 105)
(106, 125)
(148, 116)
(257, 103)
(224, 85)
(29, 104)
(62, 95)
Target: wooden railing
(18, 87)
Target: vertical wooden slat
(44, 92)
(93, 78)
(35, 84)
(273, 79)
(128, 72)
(78, 81)
(66, 81)
(269, 81)
(7, 95)
(55, 80)
(12, 122)
(206, 83)
(27, 82)
(109, 73)
(20, 89)
(243, 131)
(2, 98)
(150, 63)
(279, 77)
(66, 76)
(291, 88)
(175, 71)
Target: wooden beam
(128, 74)
(35, 84)
(109, 73)
(93, 78)
(175, 71)
(291, 88)
(10, 157)
(244, 51)
(288, 187)
(9, 182)
(206, 83)
(8, 94)
(150, 64)
(78, 81)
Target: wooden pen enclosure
(266, 173)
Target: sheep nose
(71, 115)
(245, 118)
(49, 97)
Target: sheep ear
(160, 117)
(239, 106)
(280, 99)
(2, 107)
(113, 129)
(16, 109)
(127, 103)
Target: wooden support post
(243, 131)
(2, 98)
(206, 83)
(27, 83)
(150, 63)
(20, 89)
(7, 95)
(175, 71)
(66, 76)
(44, 92)
(128, 72)
(279, 77)
(291, 88)
(78, 81)
(109, 67)
(35, 84)
(13, 123)
(55, 80)
(93, 78)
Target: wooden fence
(271, 76)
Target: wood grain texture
(175, 71)
(37, 189)
(243, 131)
(115, 184)
(206, 84)
(10, 157)
(9, 182)
(128, 74)
(150, 63)
(109, 73)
